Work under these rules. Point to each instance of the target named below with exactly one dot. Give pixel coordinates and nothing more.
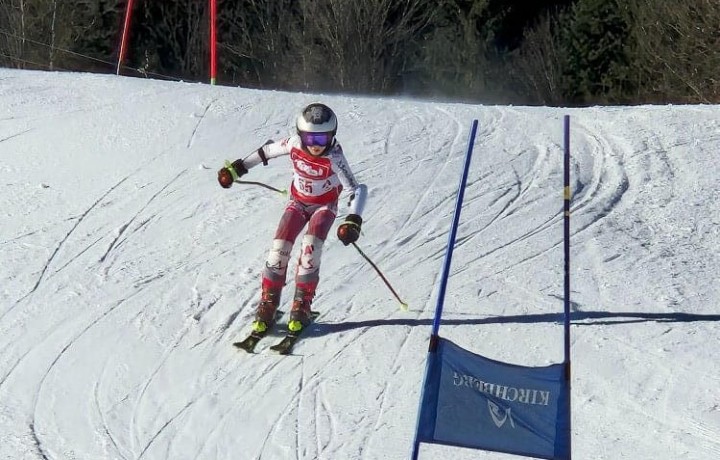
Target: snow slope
(127, 272)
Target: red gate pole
(213, 45)
(123, 40)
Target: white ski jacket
(316, 179)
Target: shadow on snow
(592, 318)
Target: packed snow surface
(127, 272)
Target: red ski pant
(319, 219)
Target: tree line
(545, 52)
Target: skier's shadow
(578, 318)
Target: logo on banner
(499, 415)
(530, 396)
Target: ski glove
(230, 173)
(349, 231)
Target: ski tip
(240, 346)
(249, 343)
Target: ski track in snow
(42, 381)
(197, 125)
(608, 185)
(123, 228)
(64, 239)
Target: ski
(285, 346)
(250, 342)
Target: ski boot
(300, 314)
(265, 313)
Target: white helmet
(317, 118)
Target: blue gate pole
(446, 272)
(566, 246)
(453, 232)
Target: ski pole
(236, 179)
(403, 305)
(269, 187)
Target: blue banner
(472, 401)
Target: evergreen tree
(593, 43)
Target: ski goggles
(316, 139)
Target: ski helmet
(317, 118)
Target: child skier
(320, 173)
